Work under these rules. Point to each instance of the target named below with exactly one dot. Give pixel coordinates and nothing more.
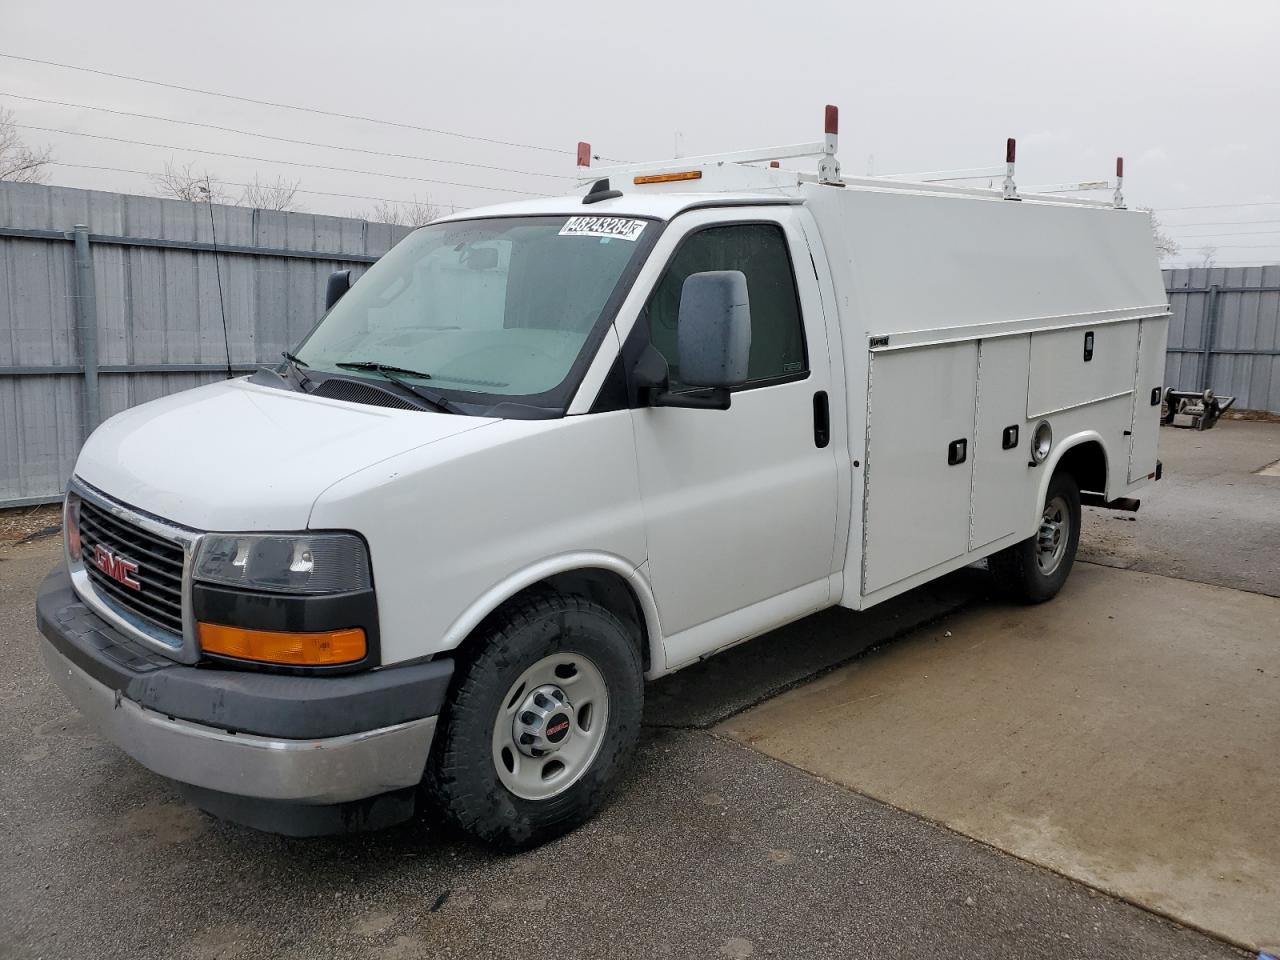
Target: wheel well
(610, 590)
(1087, 462)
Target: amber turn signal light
(323, 649)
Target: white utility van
(544, 451)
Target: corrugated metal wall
(1225, 333)
(157, 307)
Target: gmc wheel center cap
(557, 727)
(544, 722)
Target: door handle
(821, 419)
(957, 452)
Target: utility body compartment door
(1079, 365)
(919, 460)
(1152, 337)
(1002, 485)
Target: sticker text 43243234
(621, 228)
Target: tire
(545, 661)
(1035, 569)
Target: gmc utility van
(542, 452)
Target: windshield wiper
(380, 368)
(389, 371)
(296, 365)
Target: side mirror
(713, 332)
(713, 343)
(339, 283)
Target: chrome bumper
(324, 771)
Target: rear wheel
(1035, 569)
(539, 726)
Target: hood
(239, 456)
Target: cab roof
(662, 206)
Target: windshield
(500, 307)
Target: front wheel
(1035, 569)
(539, 726)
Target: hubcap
(550, 726)
(1054, 533)
(544, 722)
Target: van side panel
(919, 269)
(449, 523)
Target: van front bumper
(239, 737)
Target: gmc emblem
(116, 567)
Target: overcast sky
(1188, 92)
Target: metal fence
(109, 300)
(1225, 333)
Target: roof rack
(950, 181)
(824, 150)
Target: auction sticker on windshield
(622, 228)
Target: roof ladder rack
(824, 150)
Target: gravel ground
(26, 524)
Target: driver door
(740, 504)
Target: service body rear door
(1153, 334)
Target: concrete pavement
(1215, 517)
(1125, 734)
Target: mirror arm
(653, 386)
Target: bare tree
(279, 194)
(410, 213)
(1166, 246)
(1208, 257)
(184, 183)
(19, 162)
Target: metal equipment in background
(1195, 411)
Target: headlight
(306, 563)
(1041, 442)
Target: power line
(268, 136)
(1216, 223)
(298, 107)
(1243, 246)
(1226, 264)
(233, 183)
(285, 106)
(1237, 233)
(1220, 206)
(287, 163)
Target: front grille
(159, 560)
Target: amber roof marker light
(668, 177)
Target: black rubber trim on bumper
(269, 705)
(303, 613)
